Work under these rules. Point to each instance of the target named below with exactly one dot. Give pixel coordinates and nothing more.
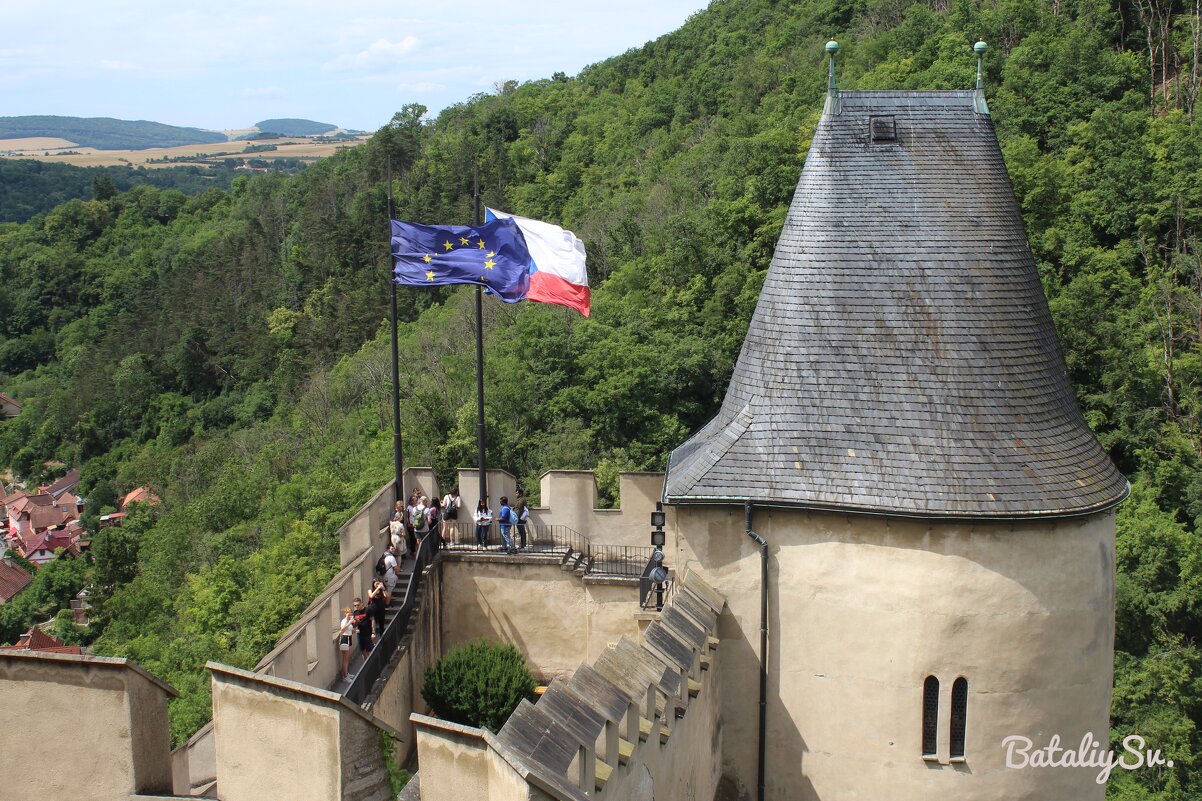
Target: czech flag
(557, 272)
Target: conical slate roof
(901, 359)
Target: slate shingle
(901, 358)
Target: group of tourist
(411, 523)
(509, 517)
(360, 620)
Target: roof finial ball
(980, 48)
(832, 47)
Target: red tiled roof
(67, 482)
(27, 500)
(44, 517)
(142, 494)
(37, 640)
(51, 541)
(13, 579)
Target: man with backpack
(417, 517)
(505, 518)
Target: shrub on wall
(478, 684)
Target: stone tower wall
(862, 609)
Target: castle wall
(569, 498)
(863, 609)
(104, 718)
(551, 615)
(281, 739)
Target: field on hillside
(63, 152)
(31, 143)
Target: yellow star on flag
(488, 265)
(480, 242)
(430, 275)
(426, 258)
(463, 240)
(491, 253)
(447, 245)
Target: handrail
(609, 560)
(388, 642)
(604, 560)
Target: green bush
(478, 684)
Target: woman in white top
(346, 632)
(483, 518)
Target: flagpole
(398, 489)
(479, 352)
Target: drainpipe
(763, 545)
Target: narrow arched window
(959, 716)
(930, 715)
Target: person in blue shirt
(505, 518)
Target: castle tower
(938, 516)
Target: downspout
(763, 545)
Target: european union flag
(492, 255)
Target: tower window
(930, 715)
(959, 716)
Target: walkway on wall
(574, 550)
(390, 614)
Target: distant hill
(289, 127)
(29, 187)
(106, 133)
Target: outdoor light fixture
(658, 518)
(659, 573)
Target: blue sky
(352, 63)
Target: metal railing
(627, 561)
(608, 560)
(597, 560)
(388, 642)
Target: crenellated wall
(103, 720)
(307, 651)
(283, 739)
(561, 623)
(639, 723)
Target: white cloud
(116, 66)
(380, 53)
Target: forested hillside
(106, 133)
(29, 187)
(295, 127)
(230, 348)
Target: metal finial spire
(979, 101)
(980, 48)
(832, 92)
(832, 47)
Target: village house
(8, 407)
(37, 524)
(13, 579)
(37, 640)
